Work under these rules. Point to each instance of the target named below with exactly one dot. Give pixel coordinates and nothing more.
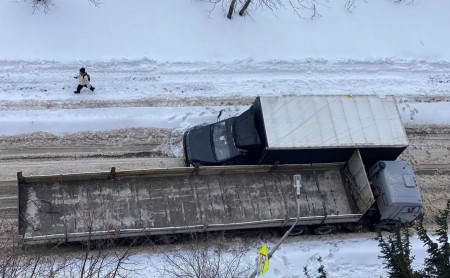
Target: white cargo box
(329, 121)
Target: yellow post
(263, 260)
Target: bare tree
(350, 5)
(244, 8)
(38, 4)
(13, 261)
(206, 255)
(96, 258)
(305, 9)
(231, 9)
(101, 258)
(47, 4)
(104, 259)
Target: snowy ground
(193, 30)
(38, 96)
(342, 257)
(134, 81)
(163, 102)
(160, 67)
(62, 121)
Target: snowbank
(185, 30)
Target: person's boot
(76, 92)
(92, 89)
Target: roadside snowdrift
(185, 30)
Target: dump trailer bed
(80, 207)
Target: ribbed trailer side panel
(310, 122)
(328, 128)
(180, 200)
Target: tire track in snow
(49, 85)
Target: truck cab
(234, 141)
(301, 130)
(396, 192)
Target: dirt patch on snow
(150, 142)
(429, 154)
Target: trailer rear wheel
(382, 227)
(351, 227)
(299, 230)
(166, 239)
(132, 241)
(324, 229)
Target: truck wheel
(299, 230)
(324, 230)
(167, 239)
(382, 227)
(132, 241)
(351, 227)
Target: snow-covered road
(38, 96)
(32, 83)
(62, 121)
(142, 107)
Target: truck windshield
(222, 143)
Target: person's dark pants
(81, 87)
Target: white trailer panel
(332, 121)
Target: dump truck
(175, 201)
(301, 129)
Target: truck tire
(351, 227)
(166, 239)
(382, 227)
(133, 241)
(299, 230)
(324, 229)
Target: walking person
(84, 81)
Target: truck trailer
(301, 129)
(176, 201)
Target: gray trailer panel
(180, 200)
(359, 183)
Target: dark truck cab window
(222, 141)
